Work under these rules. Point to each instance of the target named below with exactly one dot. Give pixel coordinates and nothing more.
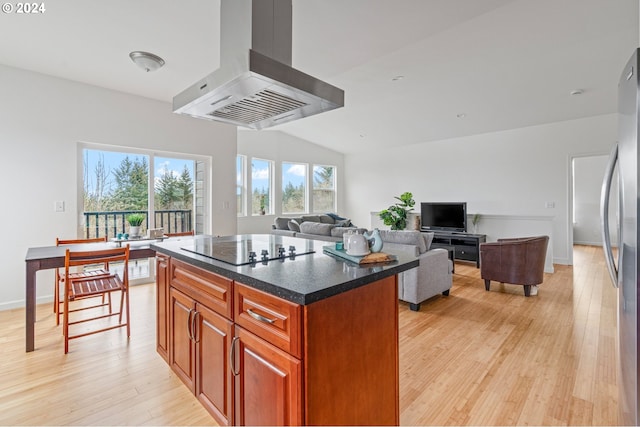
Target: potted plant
(135, 221)
(474, 221)
(396, 215)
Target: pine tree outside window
(324, 188)
(294, 188)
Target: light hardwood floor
(473, 358)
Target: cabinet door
(213, 375)
(268, 387)
(181, 347)
(162, 307)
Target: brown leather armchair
(517, 261)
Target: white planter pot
(134, 231)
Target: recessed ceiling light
(397, 78)
(576, 92)
(461, 115)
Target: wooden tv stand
(466, 245)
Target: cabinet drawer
(208, 288)
(275, 320)
(468, 253)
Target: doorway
(587, 173)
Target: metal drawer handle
(189, 323)
(232, 357)
(194, 326)
(260, 317)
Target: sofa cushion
(310, 218)
(293, 225)
(326, 219)
(428, 238)
(281, 223)
(405, 237)
(316, 228)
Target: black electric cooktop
(242, 250)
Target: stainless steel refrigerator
(623, 167)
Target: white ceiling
(502, 63)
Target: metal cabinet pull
(194, 327)
(189, 333)
(260, 317)
(232, 357)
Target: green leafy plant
(476, 219)
(135, 220)
(396, 215)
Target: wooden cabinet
(162, 305)
(267, 366)
(252, 358)
(268, 383)
(181, 346)
(213, 385)
(200, 338)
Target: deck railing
(99, 224)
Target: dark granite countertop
(302, 280)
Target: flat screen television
(443, 216)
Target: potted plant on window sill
(135, 221)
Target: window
(294, 188)
(174, 194)
(261, 187)
(324, 188)
(117, 181)
(240, 185)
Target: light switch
(59, 206)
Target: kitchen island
(291, 336)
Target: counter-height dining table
(47, 257)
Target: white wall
(514, 172)
(588, 174)
(280, 147)
(42, 120)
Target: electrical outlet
(58, 206)
(549, 205)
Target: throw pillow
(335, 217)
(281, 223)
(293, 225)
(326, 219)
(428, 238)
(344, 223)
(316, 228)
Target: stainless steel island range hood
(256, 86)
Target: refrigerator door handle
(604, 215)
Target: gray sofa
(319, 227)
(433, 276)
